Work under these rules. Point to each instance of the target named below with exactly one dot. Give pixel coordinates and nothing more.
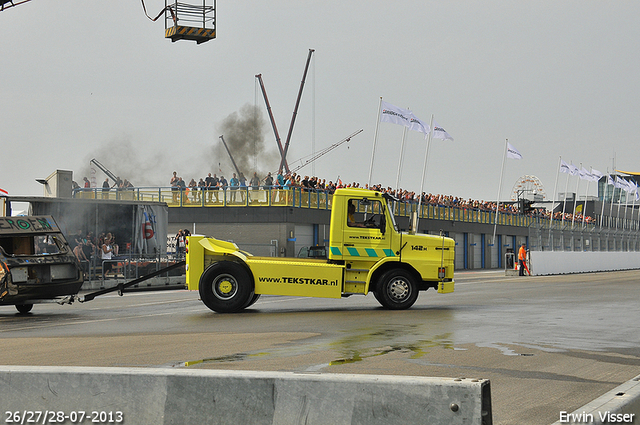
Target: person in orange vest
(522, 256)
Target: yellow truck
(367, 253)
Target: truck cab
(36, 262)
(370, 243)
(366, 253)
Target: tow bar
(121, 286)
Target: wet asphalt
(548, 344)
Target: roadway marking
(79, 321)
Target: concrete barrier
(620, 405)
(140, 396)
(562, 262)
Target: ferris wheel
(527, 185)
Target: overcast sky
(85, 79)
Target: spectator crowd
(210, 186)
(99, 251)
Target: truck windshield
(391, 202)
(30, 245)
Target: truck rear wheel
(24, 308)
(397, 290)
(226, 287)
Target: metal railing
(568, 238)
(128, 267)
(201, 16)
(297, 197)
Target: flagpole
(555, 188)
(626, 207)
(424, 171)
(613, 195)
(404, 136)
(575, 199)
(638, 224)
(495, 224)
(604, 196)
(633, 205)
(564, 202)
(586, 193)
(375, 140)
(618, 215)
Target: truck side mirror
(383, 223)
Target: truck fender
(218, 247)
(236, 260)
(384, 265)
(378, 268)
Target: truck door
(365, 236)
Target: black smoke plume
(244, 133)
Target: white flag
(610, 180)
(619, 183)
(564, 167)
(417, 124)
(440, 133)
(596, 175)
(513, 152)
(395, 115)
(573, 170)
(585, 174)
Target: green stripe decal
(362, 252)
(353, 252)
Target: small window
(30, 245)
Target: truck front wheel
(226, 287)
(397, 290)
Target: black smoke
(245, 132)
(150, 165)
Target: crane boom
(295, 111)
(230, 156)
(105, 170)
(326, 151)
(273, 122)
(3, 2)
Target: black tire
(397, 290)
(375, 294)
(253, 300)
(24, 308)
(226, 287)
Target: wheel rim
(225, 287)
(398, 289)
